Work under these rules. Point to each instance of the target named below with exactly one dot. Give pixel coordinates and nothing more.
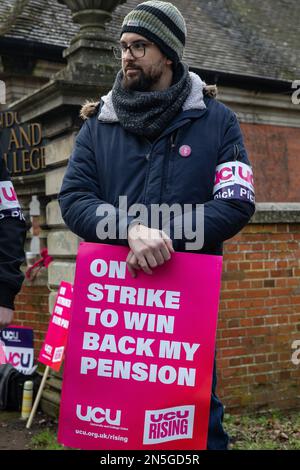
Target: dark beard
(143, 83)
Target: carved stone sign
(22, 145)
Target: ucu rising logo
(98, 415)
(169, 424)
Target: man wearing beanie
(158, 137)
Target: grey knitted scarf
(149, 113)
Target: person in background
(12, 238)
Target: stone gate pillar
(89, 73)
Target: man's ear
(169, 62)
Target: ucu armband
(9, 204)
(234, 180)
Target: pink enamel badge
(185, 151)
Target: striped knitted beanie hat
(161, 23)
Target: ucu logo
(227, 171)
(19, 359)
(224, 174)
(7, 192)
(98, 415)
(169, 424)
(169, 416)
(10, 335)
(245, 175)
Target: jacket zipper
(173, 139)
(172, 145)
(148, 156)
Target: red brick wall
(32, 311)
(259, 318)
(274, 154)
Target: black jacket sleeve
(81, 202)
(12, 238)
(223, 218)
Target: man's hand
(6, 316)
(132, 263)
(149, 248)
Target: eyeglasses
(137, 49)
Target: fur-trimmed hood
(108, 114)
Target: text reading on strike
(131, 296)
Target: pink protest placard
(138, 369)
(53, 348)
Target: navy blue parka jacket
(108, 162)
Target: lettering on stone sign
(22, 144)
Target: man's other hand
(6, 316)
(149, 248)
(132, 263)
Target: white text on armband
(234, 180)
